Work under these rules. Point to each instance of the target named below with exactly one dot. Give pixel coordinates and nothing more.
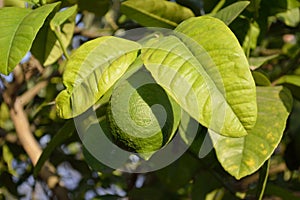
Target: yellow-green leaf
(156, 13)
(243, 156)
(203, 67)
(19, 27)
(91, 71)
(46, 47)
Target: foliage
(226, 70)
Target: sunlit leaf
(250, 40)
(243, 156)
(204, 69)
(229, 13)
(19, 27)
(156, 13)
(91, 71)
(14, 3)
(256, 62)
(8, 158)
(291, 79)
(290, 17)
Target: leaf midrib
(205, 72)
(169, 22)
(13, 38)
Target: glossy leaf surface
(91, 71)
(156, 13)
(19, 26)
(243, 156)
(203, 67)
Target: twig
(30, 94)
(24, 134)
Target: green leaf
(98, 7)
(62, 17)
(229, 13)
(8, 183)
(46, 46)
(243, 156)
(91, 71)
(256, 62)
(14, 3)
(292, 82)
(94, 163)
(279, 191)
(8, 158)
(291, 79)
(148, 193)
(62, 135)
(19, 27)
(170, 177)
(204, 183)
(205, 70)
(156, 13)
(290, 17)
(260, 79)
(250, 40)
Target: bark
(24, 134)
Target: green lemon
(142, 117)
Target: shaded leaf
(7, 182)
(46, 46)
(155, 13)
(195, 5)
(19, 27)
(204, 183)
(292, 82)
(147, 193)
(170, 177)
(243, 156)
(279, 191)
(94, 163)
(260, 79)
(98, 7)
(209, 78)
(229, 13)
(62, 135)
(91, 71)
